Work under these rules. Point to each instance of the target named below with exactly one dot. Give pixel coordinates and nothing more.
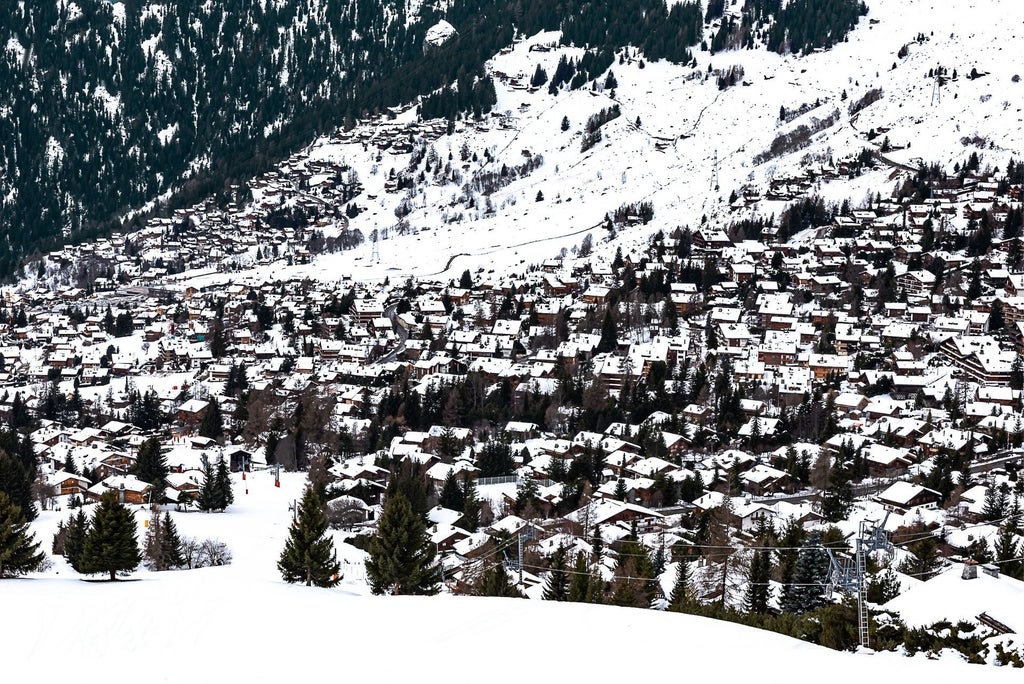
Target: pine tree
(212, 424)
(924, 562)
(837, 498)
(526, 492)
(1007, 551)
(408, 481)
(996, 318)
(153, 546)
(679, 598)
(609, 340)
(806, 589)
(207, 498)
(635, 583)
(215, 493)
(218, 343)
(111, 545)
(402, 559)
(996, 501)
(222, 484)
(162, 548)
(451, 493)
(309, 554)
(76, 530)
(150, 464)
(581, 586)
(758, 590)
(495, 581)
(596, 544)
(173, 550)
(470, 520)
(19, 551)
(883, 587)
(17, 473)
(556, 586)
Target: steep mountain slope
(109, 107)
(451, 206)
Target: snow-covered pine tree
(806, 589)
(996, 501)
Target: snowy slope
(674, 123)
(949, 597)
(218, 625)
(242, 623)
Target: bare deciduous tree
(203, 553)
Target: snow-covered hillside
(240, 622)
(675, 121)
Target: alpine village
(536, 330)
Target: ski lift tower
(714, 171)
(847, 574)
(375, 241)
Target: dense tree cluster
(215, 492)
(18, 470)
(592, 133)
(803, 25)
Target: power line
(938, 534)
